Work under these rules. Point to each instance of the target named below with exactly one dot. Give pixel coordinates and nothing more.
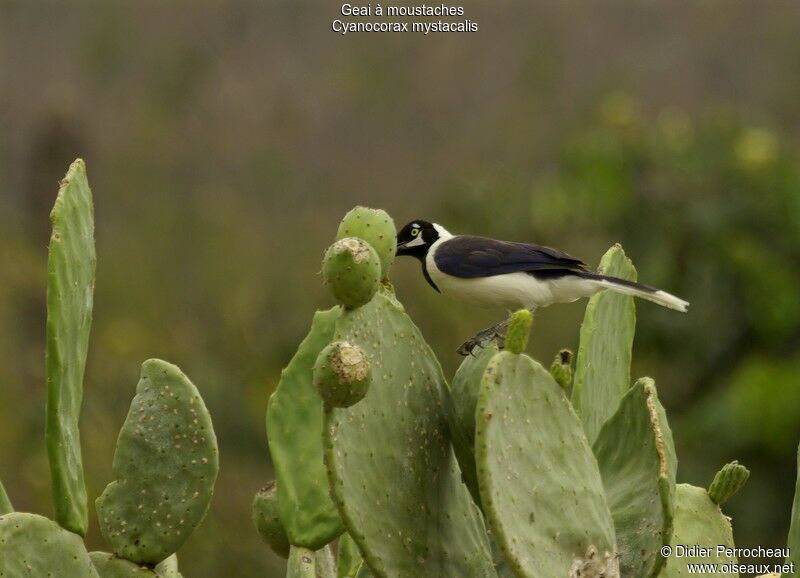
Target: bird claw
(481, 340)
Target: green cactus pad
(728, 481)
(603, 367)
(109, 566)
(698, 522)
(294, 433)
(342, 374)
(349, 559)
(34, 547)
(165, 465)
(5, 502)
(519, 329)
(392, 471)
(352, 271)
(461, 412)
(793, 541)
(302, 563)
(638, 464)
(325, 562)
(377, 228)
(539, 481)
(267, 520)
(561, 368)
(70, 294)
(364, 572)
(169, 568)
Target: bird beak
(401, 248)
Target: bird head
(416, 238)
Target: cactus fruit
(342, 374)
(728, 481)
(302, 563)
(374, 226)
(602, 372)
(168, 568)
(294, 431)
(348, 559)
(268, 522)
(561, 368)
(352, 271)
(33, 546)
(698, 522)
(539, 482)
(461, 412)
(165, 465)
(519, 329)
(70, 293)
(637, 462)
(391, 467)
(5, 502)
(109, 566)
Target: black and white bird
(488, 272)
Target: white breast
(511, 290)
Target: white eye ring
(414, 232)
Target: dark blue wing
(469, 257)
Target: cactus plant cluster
(166, 458)
(511, 470)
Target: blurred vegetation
(224, 142)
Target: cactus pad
(342, 374)
(698, 522)
(392, 471)
(165, 465)
(70, 294)
(169, 568)
(728, 481)
(268, 522)
(32, 546)
(377, 228)
(539, 481)
(326, 564)
(109, 566)
(349, 559)
(5, 502)
(294, 433)
(793, 541)
(638, 464)
(603, 367)
(461, 412)
(352, 271)
(302, 563)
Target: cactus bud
(728, 481)
(518, 331)
(561, 369)
(374, 226)
(342, 374)
(267, 521)
(352, 270)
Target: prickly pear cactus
(70, 294)
(728, 481)
(169, 568)
(326, 563)
(539, 482)
(698, 522)
(109, 566)
(342, 374)
(374, 226)
(461, 412)
(793, 541)
(302, 563)
(602, 372)
(294, 431)
(348, 559)
(638, 464)
(391, 468)
(561, 368)
(268, 522)
(165, 464)
(32, 546)
(352, 271)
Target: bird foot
(482, 339)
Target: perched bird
(488, 272)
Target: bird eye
(414, 232)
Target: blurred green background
(225, 140)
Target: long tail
(638, 290)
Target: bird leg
(480, 339)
